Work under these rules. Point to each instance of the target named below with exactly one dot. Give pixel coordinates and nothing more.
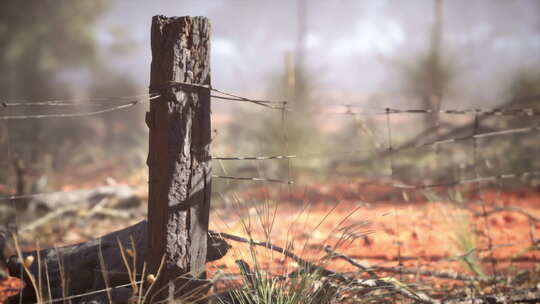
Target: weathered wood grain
(179, 158)
(76, 269)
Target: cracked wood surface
(76, 269)
(179, 158)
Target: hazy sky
(353, 48)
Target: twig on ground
(371, 284)
(336, 254)
(47, 218)
(403, 270)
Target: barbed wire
(264, 104)
(496, 112)
(273, 104)
(381, 110)
(474, 136)
(79, 114)
(388, 149)
(487, 112)
(41, 194)
(255, 179)
(228, 96)
(52, 193)
(520, 175)
(76, 102)
(269, 157)
(391, 183)
(282, 106)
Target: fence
(129, 101)
(119, 103)
(154, 98)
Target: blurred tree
(40, 39)
(523, 89)
(429, 76)
(297, 131)
(518, 153)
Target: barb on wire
(80, 114)
(255, 179)
(76, 102)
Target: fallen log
(125, 195)
(76, 269)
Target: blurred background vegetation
(49, 52)
(366, 54)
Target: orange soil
(389, 228)
(9, 287)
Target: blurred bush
(46, 44)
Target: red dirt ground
(9, 287)
(390, 227)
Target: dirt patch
(379, 225)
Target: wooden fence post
(179, 158)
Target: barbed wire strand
(393, 150)
(255, 157)
(228, 96)
(250, 100)
(348, 110)
(365, 112)
(275, 105)
(255, 179)
(496, 112)
(488, 112)
(466, 181)
(241, 98)
(80, 114)
(41, 194)
(75, 102)
(519, 175)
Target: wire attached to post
(80, 114)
